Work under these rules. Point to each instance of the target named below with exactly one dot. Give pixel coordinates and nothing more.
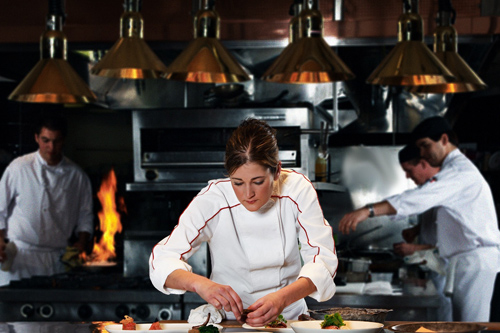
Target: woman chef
(258, 223)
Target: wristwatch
(371, 210)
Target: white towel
(429, 258)
(450, 276)
(199, 315)
(378, 288)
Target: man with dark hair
(467, 228)
(44, 199)
(420, 171)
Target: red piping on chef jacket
(229, 207)
(199, 230)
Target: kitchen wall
(256, 32)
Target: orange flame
(109, 218)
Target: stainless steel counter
(409, 302)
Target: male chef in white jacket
(44, 199)
(467, 227)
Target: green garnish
(208, 329)
(332, 320)
(278, 321)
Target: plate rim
(268, 329)
(162, 330)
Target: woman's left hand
(265, 310)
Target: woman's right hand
(220, 296)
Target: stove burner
(86, 296)
(83, 280)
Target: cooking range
(87, 296)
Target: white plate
(269, 329)
(166, 328)
(353, 326)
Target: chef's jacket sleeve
(172, 252)
(7, 194)
(443, 188)
(317, 245)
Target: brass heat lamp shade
(410, 62)
(130, 57)
(445, 48)
(53, 80)
(308, 58)
(205, 59)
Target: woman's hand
(265, 310)
(220, 296)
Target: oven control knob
(151, 174)
(164, 314)
(143, 312)
(46, 311)
(85, 311)
(27, 310)
(122, 310)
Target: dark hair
(434, 128)
(410, 153)
(253, 141)
(53, 123)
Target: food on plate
(155, 326)
(280, 322)
(356, 314)
(204, 328)
(423, 329)
(208, 329)
(304, 317)
(332, 322)
(128, 323)
(244, 314)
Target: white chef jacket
(41, 206)
(466, 226)
(256, 253)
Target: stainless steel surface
(417, 303)
(187, 146)
(137, 247)
(369, 174)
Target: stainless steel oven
(182, 149)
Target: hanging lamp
(53, 80)
(307, 58)
(130, 57)
(446, 49)
(205, 59)
(410, 62)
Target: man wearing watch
(467, 228)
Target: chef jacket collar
(451, 156)
(56, 168)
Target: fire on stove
(95, 288)
(104, 251)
